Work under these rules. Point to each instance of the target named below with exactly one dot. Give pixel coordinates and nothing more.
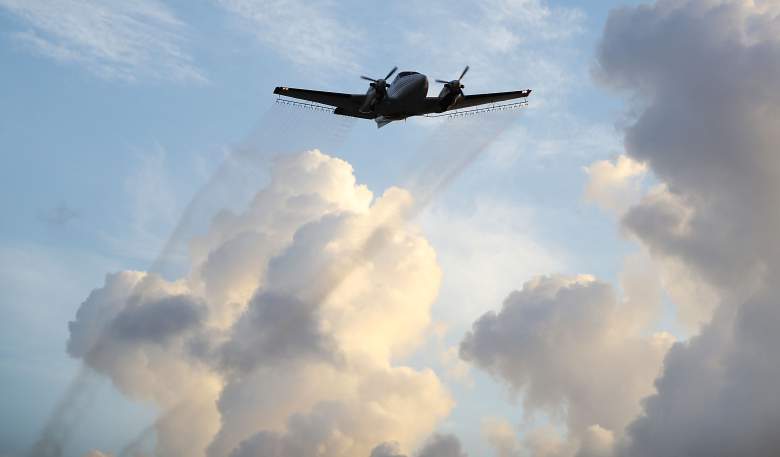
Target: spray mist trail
(66, 416)
(455, 145)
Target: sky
(189, 268)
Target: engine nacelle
(375, 94)
(451, 92)
(448, 97)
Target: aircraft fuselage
(407, 96)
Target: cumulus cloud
(704, 75)
(315, 280)
(615, 185)
(575, 351)
(114, 40)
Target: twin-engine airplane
(407, 96)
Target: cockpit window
(406, 73)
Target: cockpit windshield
(407, 73)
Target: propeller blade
(391, 72)
(368, 79)
(464, 72)
(442, 81)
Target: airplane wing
(345, 104)
(482, 99)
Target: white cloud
(615, 185)
(315, 280)
(113, 39)
(502, 437)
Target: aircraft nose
(421, 80)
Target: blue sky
(106, 136)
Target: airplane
(406, 96)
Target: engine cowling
(452, 91)
(376, 92)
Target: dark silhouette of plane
(407, 96)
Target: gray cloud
(388, 449)
(438, 445)
(160, 320)
(705, 76)
(572, 349)
(276, 328)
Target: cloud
(306, 33)
(615, 185)
(704, 77)
(438, 445)
(501, 437)
(502, 41)
(138, 330)
(315, 279)
(113, 40)
(442, 446)
(575, 352)
(389, 449)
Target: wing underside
(468, 101)
(344, 104)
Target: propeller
(455, 84)
(380, 84)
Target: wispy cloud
(505, 41)
(113, 39)
(306, 33)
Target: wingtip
(279, 90)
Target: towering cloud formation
(281, 339)
(706, 73)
